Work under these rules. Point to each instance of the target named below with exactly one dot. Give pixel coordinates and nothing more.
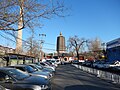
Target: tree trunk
(77, 55)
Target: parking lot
(68, 77)
(51, 75)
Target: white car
(110, 65)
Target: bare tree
(76, 43)
(95, 47)
(32, 11)
(95, 44)
(31, 46)
(16, 15)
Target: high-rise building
(113, 50)
(61, 44)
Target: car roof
(5, 68)
(18, 65)
(31, 64)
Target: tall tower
(61, 44)
(20, 25)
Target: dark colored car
(30, 70)
(34, 66)
(75, 61)
(115, 69)
(15, 79)
(45, 66)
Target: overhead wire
(8, 38)
(46, 44)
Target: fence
(101, 74)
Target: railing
(101, 74)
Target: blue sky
(88, 19)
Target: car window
(40, 67)
(57, 61)
(21, 68)
(17, 74)
(35, 68)
(29, 69)
(42, 64)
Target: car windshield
(18, 74)
(38, 66)
(30, 69)
(53, 61)
(57, 61)
(35, 67)
(42, 64)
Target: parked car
(31, 71)
(58, 61)
(95, 63)
(88, 63)
(48, 64)
(116, 68)
(112, 64)
(75, 61)
(54, 62)
(101, 65)
(45, 68)
(35, 67)
(15, 79)
(45, 65)
(64, 62)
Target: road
(67, 77)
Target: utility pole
(20, 25)
(41, 44)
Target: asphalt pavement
(68, 77)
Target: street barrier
(101, 74)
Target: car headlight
(51, 75)
(43, 76)
(44, 87)
(37, 87)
